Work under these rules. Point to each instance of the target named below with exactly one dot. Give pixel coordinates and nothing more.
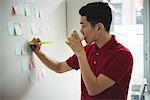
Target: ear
(99, 27)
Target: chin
(88, 42)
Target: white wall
(147, 41)
(0, 53)
(16, 84)
(73, 17)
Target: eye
(83, 26)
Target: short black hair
(97, 12)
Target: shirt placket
(95, 60)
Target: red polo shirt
(113, 60)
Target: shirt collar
(108, 45)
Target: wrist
(38, 52)
(81, 54)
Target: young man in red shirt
(105, 64)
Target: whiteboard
(20, 82)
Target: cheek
(86, 33)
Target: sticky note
(39, 76)
(24, 49)
(31, 62)
(17, 29)
(18, 9)
(24, 65)
(21, 9)
(10, 28)
(15, 10)
(37, 12)
(44, 74)
(27, 10)
(18, 48)
(22, 27)
(41, 14)
(32, 77)
(34, 28)
(46, 28)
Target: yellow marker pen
(31, 43)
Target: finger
(38, 40)
(76, 35)
(33, 40)
(67, 42)
(74, 31)
(73, 36)
(69, 39)
(33, 47)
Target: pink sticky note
(15, 10)
(40, 14)
(39, 76)
(31, 62)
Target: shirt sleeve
(73, 62)
(120, 64)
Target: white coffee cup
(79, 34)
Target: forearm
(50, 63)
(88, 76)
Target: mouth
(85, 38)
(84, 35)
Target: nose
(81, 31)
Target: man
(105, 64)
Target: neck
(103, 39)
